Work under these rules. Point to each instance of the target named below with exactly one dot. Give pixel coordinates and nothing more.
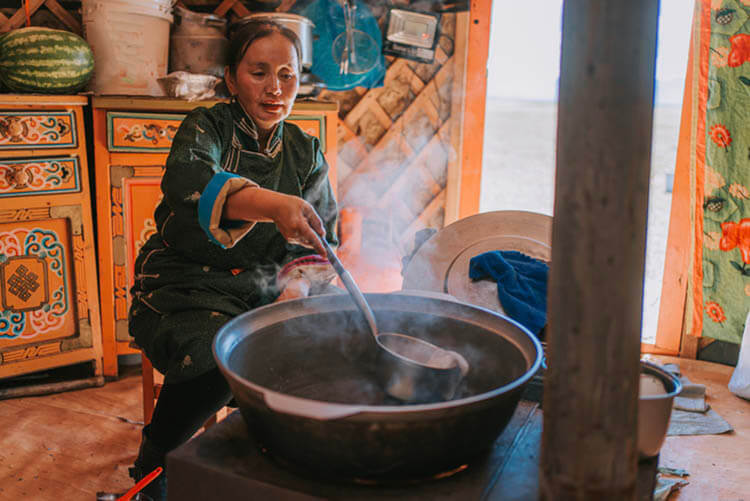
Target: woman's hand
(298, 287)
(298, 222)
(295, 218)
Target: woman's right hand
(295, 218)
(298, 222)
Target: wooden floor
(72, 445)
(69, 446)
(719, 465)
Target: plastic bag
(328, 17)
(189, 86)
(740, 382)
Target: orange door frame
(474, 107)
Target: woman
(246, 200)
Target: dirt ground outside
(518, 173)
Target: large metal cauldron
(302, 375)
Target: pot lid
(484, 292)
(441, 264)
(275, 16)
(198, 17)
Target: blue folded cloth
(521, 285)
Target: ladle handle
(352, 287)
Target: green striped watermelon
(44, 60)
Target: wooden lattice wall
(53, 15)
(399, 144)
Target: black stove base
(226, 463)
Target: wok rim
(348, 410)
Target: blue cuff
(207, 202)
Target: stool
(151, 388)
(152, 383)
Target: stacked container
(198, 43)
(130, 40)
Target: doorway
(518, 165)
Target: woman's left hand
(295, 288)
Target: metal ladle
(408, 368)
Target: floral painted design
(720, 135)
(724, 16)
(739, 191)
(715, 312)
(28, 176)
(150, 132)
(711, 240)
(714, 204)
(716, 4)
(720, 56)
(740, 51)
(19, 129)
(713, 180)
(737, 235)
(33, 314)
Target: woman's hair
(253, 30)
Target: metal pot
(305, 384)
(301, 25)
(198, 43)
(310, 85)
(654, 411)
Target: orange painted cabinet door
(49, 314)
(135, 195)
(42, 284)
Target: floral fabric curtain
(719, 92)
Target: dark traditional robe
(198, 270)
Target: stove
(228, 463)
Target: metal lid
(275, 16)
(182, 13)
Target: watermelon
(44, 60)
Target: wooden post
(589, 443)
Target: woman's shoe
(150, 457)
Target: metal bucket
(198, 43)
(302, 26)
(654, 411)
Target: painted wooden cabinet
(132, 137)
(49, 312)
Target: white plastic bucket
(130, 41)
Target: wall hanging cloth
(521, 285)
(328, 16)
(715, 149)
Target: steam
(264, 279)
(397, 177)
(329, 357)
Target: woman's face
(266, 80)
